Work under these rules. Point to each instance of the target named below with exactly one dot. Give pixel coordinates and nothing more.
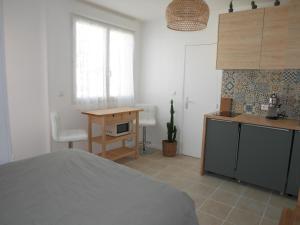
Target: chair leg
(144, 138)
(70, 145)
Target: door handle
(187, 102)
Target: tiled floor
(218, 201)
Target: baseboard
(156, 146)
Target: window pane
(90, 61)
(121, 64)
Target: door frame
(186, 46)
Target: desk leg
(103, 138)
(90, 135)
(137, 125)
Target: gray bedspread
(78, 188)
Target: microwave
(119, 129)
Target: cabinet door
(275, 38)
(221, 147)
(240, 39)
(293, 51)
(264, 156)
(294, 174)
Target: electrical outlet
(264, 107)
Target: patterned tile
(253, 74)
(275, 88)
(263, 76)
(276, 77)
(298, 77)
(249, 108)
(247, 88)
(289, 88)
(290, 77)
(261, 97)
(238, 107)
(250, 98)
(262, 87)
(228, 84)
(251, 88)
(240, 97)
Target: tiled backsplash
(251, 88)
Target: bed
(78, 188)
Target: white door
(202, 91)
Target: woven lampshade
(187, 15)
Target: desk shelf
(110, 139)
(118, 153)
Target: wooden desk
(111, 116)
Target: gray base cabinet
(293, 185)
(221, 147)
(264, 155)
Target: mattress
(72, 187)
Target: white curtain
(5, 147)
(103, 65)
(121, 67)
(90, 63)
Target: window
(103, 64)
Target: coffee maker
(274, 107)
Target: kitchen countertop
(258, 120)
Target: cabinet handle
(273, 128)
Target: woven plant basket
(187, 15)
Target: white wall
(38, 51)
(5, 145)
(25, 50)
(163, 55)
(60, 67)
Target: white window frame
(109, 27)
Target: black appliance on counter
(274, 107)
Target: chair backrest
(55, 125)
(149, 111)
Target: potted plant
(170, 145)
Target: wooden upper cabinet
(275, 38)
(260, 39)
(293, 50)
(240, 37)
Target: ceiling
(153, 9)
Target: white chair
(65, 136)
(147, 119)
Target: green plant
(172, 130)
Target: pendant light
(187, 15)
